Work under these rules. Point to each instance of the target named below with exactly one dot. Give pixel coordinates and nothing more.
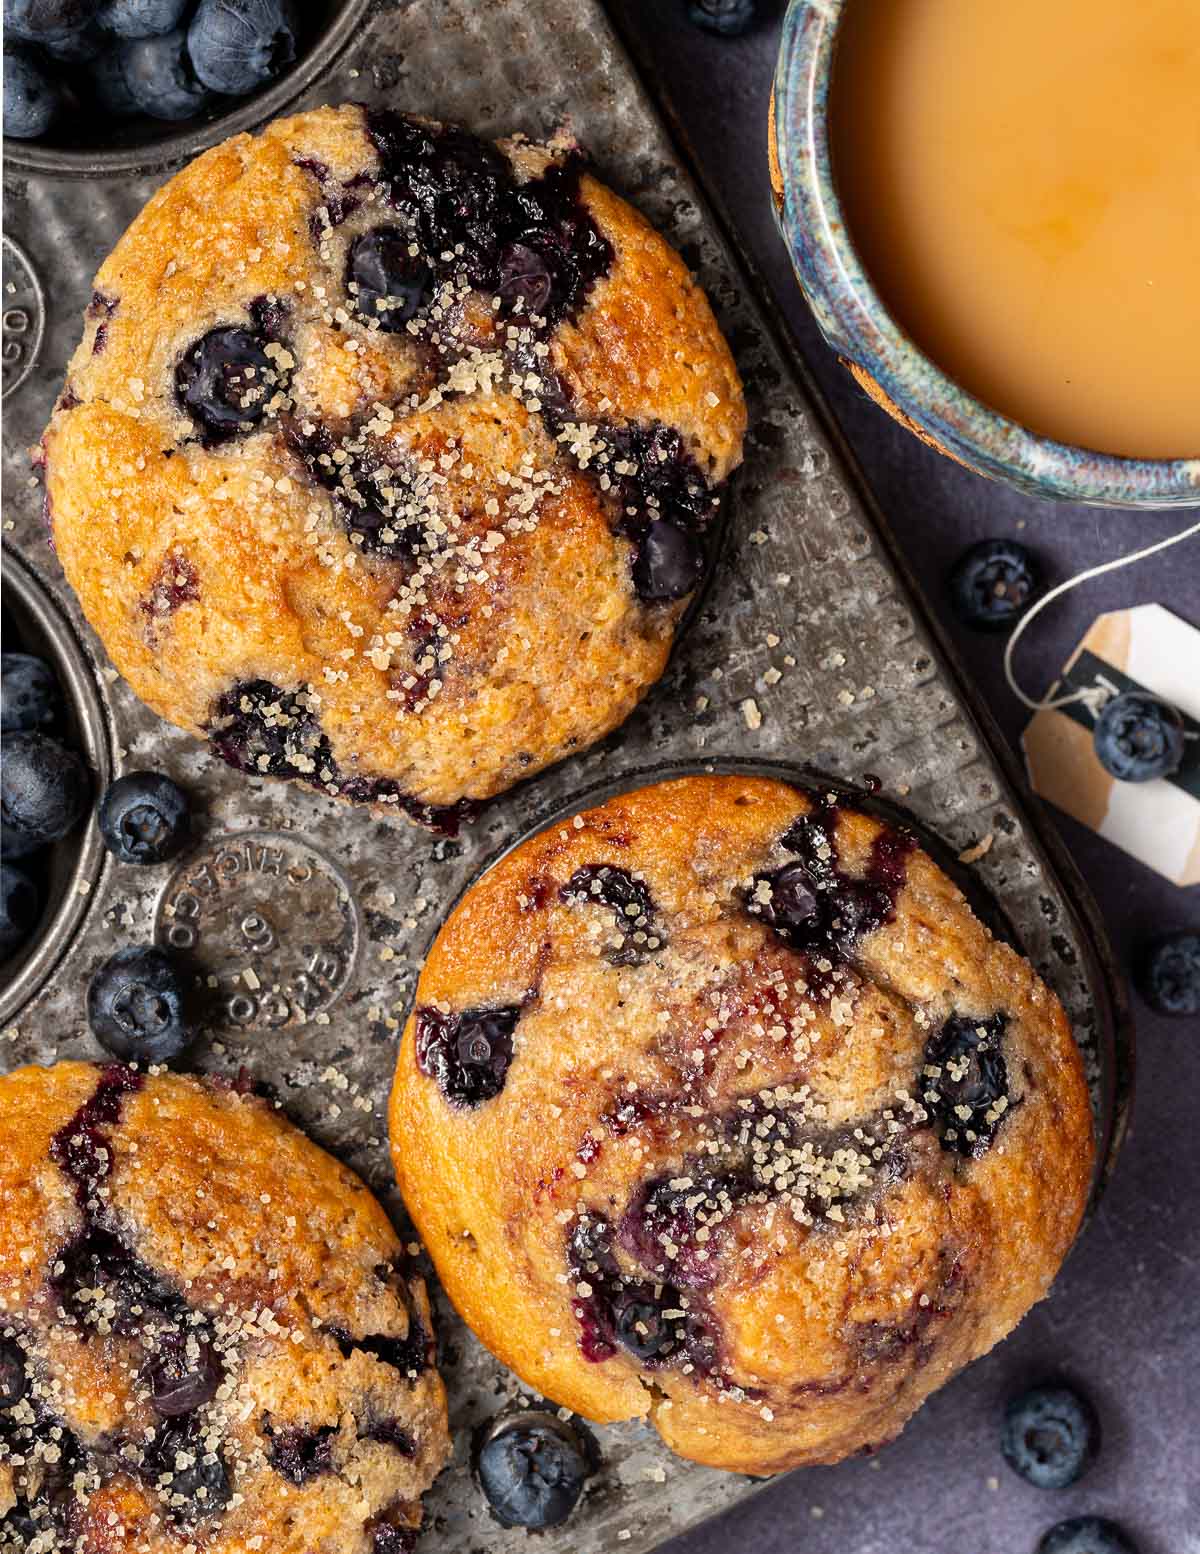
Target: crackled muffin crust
(387, 457)
(208, 1339)
(718, 1106)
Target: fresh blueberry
(992, 583)
(79, 48)
(144, 818)
(1086, 1535)
(391, 284)
(31, 99)
(1050, 1437)
(183, 1377)
(158, 76)
(468, 1054)
(192, 1478)
(141, 18)
(108, 87)
(29, 694)
(1138, 738)
(19, 909)
(225, 380)
(668, 562)
(532, 1471)
(965, 1082)
(729, 18)
(1168, 974)
(47, 21)
(13, 1382)
(237, 45)
(135, 1007)
(43, 791)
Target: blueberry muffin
(387, 459)
(719, 1107)
(208, 1340)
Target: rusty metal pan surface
(309, 920)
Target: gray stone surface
(1122, 1319)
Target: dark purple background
(1122, 1319)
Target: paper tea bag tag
(1143, 649)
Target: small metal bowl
(74, 865)
(146, 145)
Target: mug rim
(854, 319)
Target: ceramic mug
(880, 356)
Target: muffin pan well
(308, 920)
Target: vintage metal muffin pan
(307, 920)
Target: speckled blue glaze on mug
(854, 320)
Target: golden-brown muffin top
(207, 1334)
(387, 455)
(719, 1106)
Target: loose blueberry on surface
(191, 1478)
(533, 1471)
(971, 1076)
(44, 789)
(467, 1054)
(32, 101)
(29, 694)
(1086, 1535)
(225, 380)
(180, 1380)
(141, 18)
(1168, 974)
(992, 583)
(1050, 1437)
(392, 284)
(144, 818)
(13, 1381)
(668, 563)
(727, 18)
(19, 909)
(238, 45)
(158, 76)
(135, 1006)
(1138, 738)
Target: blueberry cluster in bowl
(169, 60)
(45, 787)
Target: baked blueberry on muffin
(208, 1340)
(719, 1106)
(388, 457)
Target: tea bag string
(1092, 696)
